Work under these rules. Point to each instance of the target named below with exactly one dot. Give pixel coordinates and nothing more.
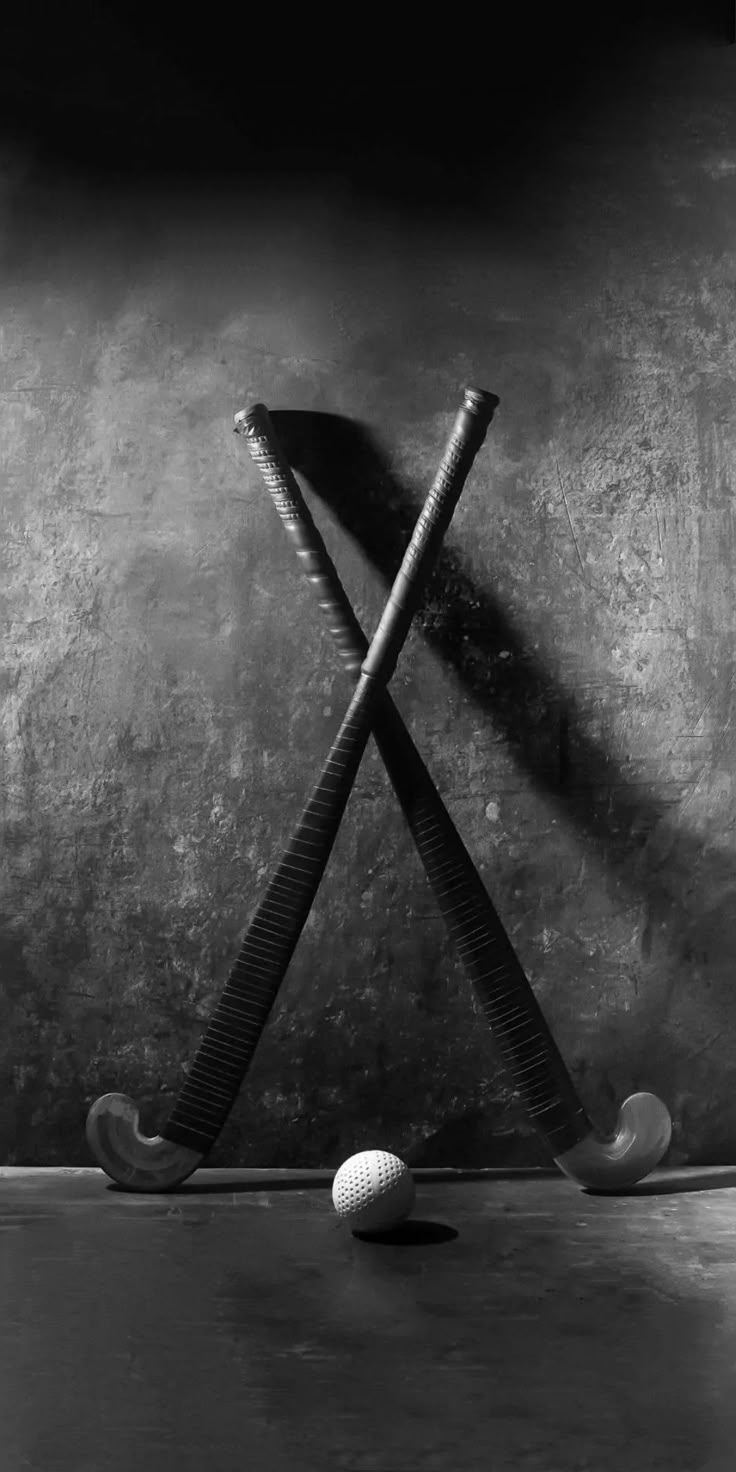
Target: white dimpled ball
(373, 1191)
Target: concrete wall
(167, 692)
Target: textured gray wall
(167, 692)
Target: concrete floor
(514, 1323)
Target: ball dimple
(373, 1191)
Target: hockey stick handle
(468, 433)
(304, 536)
(157, 1163)
(502, 988)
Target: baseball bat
(502, 988)
(157, 1163)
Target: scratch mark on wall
(659, 529)
(569, 518)
(707, 767)
(707, 705)
(706, 1045)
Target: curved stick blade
(642, 1136)
(136, 1161)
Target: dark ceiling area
(113, 86)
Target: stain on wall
(167, 692)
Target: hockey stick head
(642, 1135)
(136, 1161)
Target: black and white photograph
(368, 738)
